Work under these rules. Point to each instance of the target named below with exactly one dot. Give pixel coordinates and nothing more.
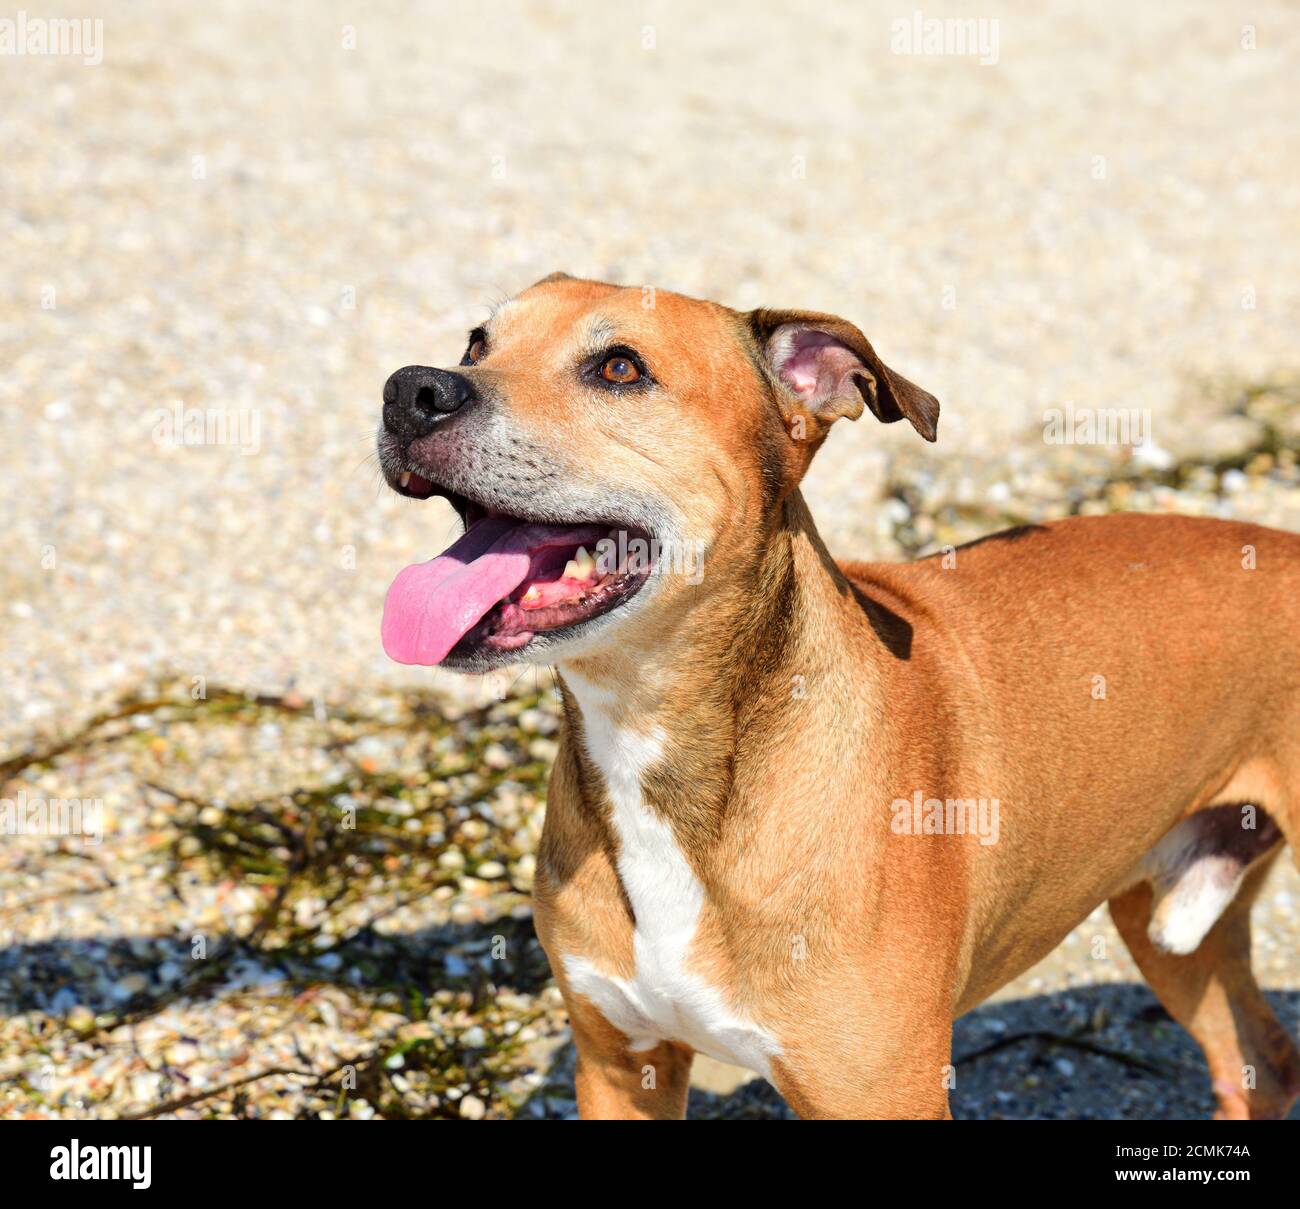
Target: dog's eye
(620, 370)
(476, 350)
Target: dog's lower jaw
(540, 650)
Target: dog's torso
(805, 902)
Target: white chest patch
(662, 1000)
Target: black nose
(418, 396)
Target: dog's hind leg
(1197, 868)
(1211, 990)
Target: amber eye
(620, 370)
(477, 347)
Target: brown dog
(805, 813)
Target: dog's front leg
(871, 1073)
(616, 1083)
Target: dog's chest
(663, 999)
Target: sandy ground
(236, 213)
(254, 215)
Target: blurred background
(310, 897)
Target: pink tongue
(432, 606)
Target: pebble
(131, 985)
(496, 756)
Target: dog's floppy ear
(831, 368)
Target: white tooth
(529, 596)
(586, 564)
(405, 479)
(571, 570)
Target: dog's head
(601, 445)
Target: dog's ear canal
(831, 368)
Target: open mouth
(508, 580)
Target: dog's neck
(711, 702)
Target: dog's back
(1192, 605)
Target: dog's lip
(416, 485)
(412, 484)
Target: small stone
(543, 749)
(496, 757)
(126, 988)
(81, 1018)
(525, 869)
(472, 1108)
